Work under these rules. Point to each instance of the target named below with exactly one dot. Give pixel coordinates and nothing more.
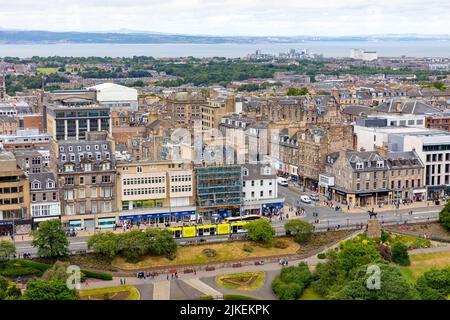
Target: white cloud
(231, 17)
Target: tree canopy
(260, 230)
(50, 239)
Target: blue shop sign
(157, 215)
(274, 205)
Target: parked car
(314, 197)
(305, 199)
(282, 181)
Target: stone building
(184, 108)
(314, 143)
(86, 176)
(361, 178)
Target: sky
(231, 17)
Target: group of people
(174, 275)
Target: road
(328, 219)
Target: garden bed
(246, 281)
(111, 293)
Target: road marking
(202, 287)
(161, 290)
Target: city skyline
(232, 18)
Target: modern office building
(72, 119)
(219, 191)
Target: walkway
(161, 290)
(203, 287)
(430, 250)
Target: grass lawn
(115, 293)
(420, 263)
(246, 281)
(310, 294)
(226, 251)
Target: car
(305, 199)
(282, 181)
(314, 197)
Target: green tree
(132, 245)
(7, 249)
(161, 242)
(355, 254)
(104, 243)
(50, 239)
(301, 230)
(393, 286)
(326, 275)
(8, 289)
(260, 230)
(291, 282)
(53, 289)
(434, 284)
(399, 254)
(292, 91)
(444, 216)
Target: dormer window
(97, 147)
(87, 167)
(79, 148)
(380, 164)
(245, 172)
(359, 165)
(69, 168)
(88, 148)
(70, 148)
(36, 185)
(50, 185)
(106, 166)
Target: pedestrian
(195, 272)
(171, 276)
(121, 281)
(167, 276)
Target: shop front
(438, 192)
(38, 220)
(156, 218)
(105, 223)
(16, 226)
(272, 209)
(419, 194)
(325, 183)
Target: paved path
(145, 291)
(203, 287)
(161, 290)
(430, 250)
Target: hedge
(13, 273)
(97, 275)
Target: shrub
(247, 248)
(291, 282)
(301, 230)
(444, 216)
(280, 244)
(400, 254)
(206, 298)
(322, 255)
(210, 253)
(97, 275)
(434, 284)
(385, 252)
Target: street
(329, 219)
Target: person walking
(167, 276)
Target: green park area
(423, 262)
(246, 281)
(111, 293)
(209, 253)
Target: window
(106, 179)
(359, 165)
(253, 183)
(68, 181)
(33, 197)
(44, 197)
(54, 196)
(69, 168)
(138, 169)
(81, 180)
(94, 180)
(419, 121)
(261, 183)
(367, 186)
(50, 184)
(96, 147)
(93, 192)
(36, 185)
(82, 208)
(81, 194)
(261, 193)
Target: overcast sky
(231, 17)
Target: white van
(282, 181)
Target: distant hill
(23, 37)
